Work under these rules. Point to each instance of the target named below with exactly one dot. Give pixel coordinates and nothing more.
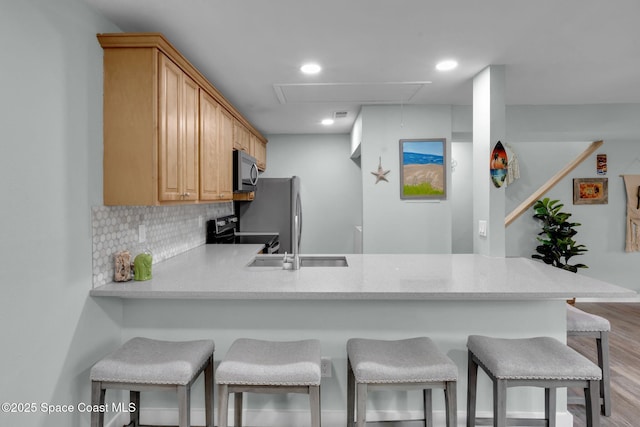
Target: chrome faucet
(293, 262)
(296, 248)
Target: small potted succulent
(557, 245)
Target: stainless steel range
(224, 230)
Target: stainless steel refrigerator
(274, 208)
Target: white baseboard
(300, 418)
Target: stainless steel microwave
(245, 172)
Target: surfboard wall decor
(498, 165)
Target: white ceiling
(385, 51)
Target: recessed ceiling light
(327, 122)
(446, 65)
(311, 68)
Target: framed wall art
(422, 168)
(590, 191)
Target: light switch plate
(482, 228)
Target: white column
(489, 126)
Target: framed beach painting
(422, 171)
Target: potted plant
(557, 244)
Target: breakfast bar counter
(210, 292)
(222, 272)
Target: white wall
(392, 225)
(50, 169)
(557, 132)
(330, 187)
(546, 138)
(488, 129)
(462, 198)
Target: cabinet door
(240, 136)
(225, 150)
(178, 134)
(169, 137)
(215, 152)
(259, 151)
(191, 176)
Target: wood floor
(625, 362)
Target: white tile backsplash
(170, 230)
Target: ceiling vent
(340, 114)
(354, 93)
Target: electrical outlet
(325, 367)
(200, 221)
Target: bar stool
(410, 364)
(143, 364)
(533, 362)
(581, 323)
(269, 367)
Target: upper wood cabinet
(216, 151)
(240, 137)
(258, 149)
(168, 133)
(178, 101)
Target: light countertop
(221, 272)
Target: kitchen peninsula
(211, 291)
(222, 272)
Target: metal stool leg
(314, 401)
(237, 405)
(471, 390)
(134, 416)
(184, 405)
(550, 406)
(223, 405)
(451, 404)
(499, 403)
(351, 394)
(603, 361)
(97, 398)
(361, 399)
(592, 403)
(209, 380)
(428, 407)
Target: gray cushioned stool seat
(147, 361)
(258, 362)
(402, 361)
(414, 363)
(581, 323)
(539, 362)
(143, 364)
(269, 367)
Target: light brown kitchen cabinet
(178, 100)
(258, 149)
(216, 151)
(168, 132)
(240, 136)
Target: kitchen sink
(266, 261)
(323, 261)
(305, 261)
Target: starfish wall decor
(381, 173)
